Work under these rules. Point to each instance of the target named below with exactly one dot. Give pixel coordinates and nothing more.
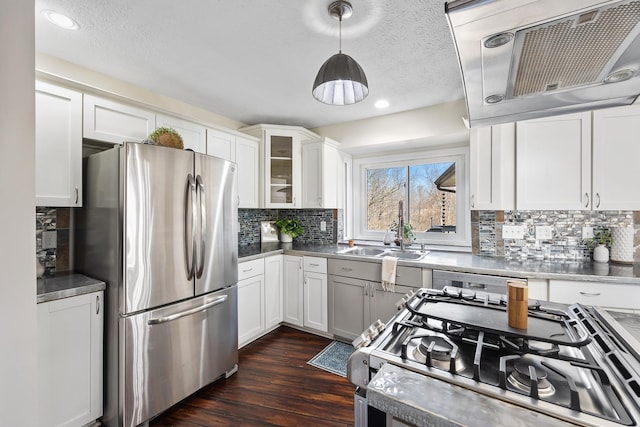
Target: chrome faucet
(400, 234)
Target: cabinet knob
(586, 195)
(598, 204)
(97, 304)
(77, 195)
(473, 203)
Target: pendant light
(340, 80)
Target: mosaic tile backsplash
(49, 219)
(566, 244)
(310, 219)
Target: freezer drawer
(169, 353)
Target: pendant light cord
(340, 49)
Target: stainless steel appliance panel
(173, 351)
(158, 238)
(217, 224)
(474, 282)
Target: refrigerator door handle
(175, 316)
(189, 237)
(203, 226)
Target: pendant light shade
(340, 81)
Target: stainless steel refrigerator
(159, 225)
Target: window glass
(385, 187)
(432, 197)
(428, 193)
(432, 186)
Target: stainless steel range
(571, 364)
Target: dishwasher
(472, 281)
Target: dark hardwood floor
(274, 386)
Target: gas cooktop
(568, 363)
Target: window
(431, 186)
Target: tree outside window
(428, 191)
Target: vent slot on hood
(575, 51)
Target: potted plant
(599, 244)
(408, 234)
(289, 228)
(166, 137)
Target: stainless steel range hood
(522, 59)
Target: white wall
(409, 130)
(70, 74)
(18, 368)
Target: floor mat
(333, 358)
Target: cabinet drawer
(250, 268)
(592, 293)
(409, 276)
(356, 269)
(315, 264)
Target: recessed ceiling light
(382, 103)
(60, 20)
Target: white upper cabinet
(492, 167)
(110, 121)
(616, 153)
(221, 144)
(553, 158)
(247, 153)
(194, 136)
(322, 175)
(580, 161)
(58, 147)
(281, 163)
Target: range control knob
(361, 341)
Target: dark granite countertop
(466, 262)
(64, 285)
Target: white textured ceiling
(255, 60)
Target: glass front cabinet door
(280, 167)
(281, 153)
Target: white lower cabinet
(356, 297)
(610, 295)
(259, 297)
(292, 288)
(315, 294)
(251, 316)
(305, 292)
(273, 291)
(70, 342)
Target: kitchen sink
(362, 251)
(406, 254)
(378, 253)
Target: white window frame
(461, 239)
